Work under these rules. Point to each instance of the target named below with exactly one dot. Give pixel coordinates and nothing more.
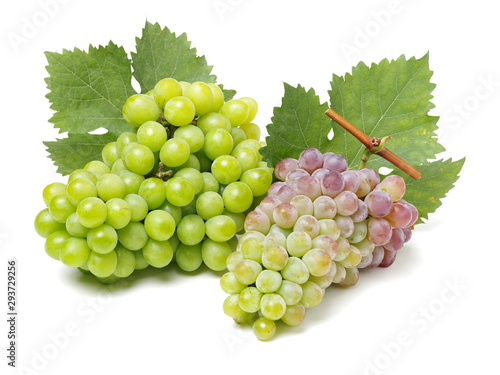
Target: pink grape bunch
(318, 225)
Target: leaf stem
(374, 145)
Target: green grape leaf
(389, 98)
(87, 90)
(438, 177)
(228, 94)
(299, 123)
(76, 150)
(160, 54)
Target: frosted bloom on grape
(365, 261)
(251, 245)
(285, 215)
(312, 294)
(310, 159)
(284, 166)
(334, 162)
(295, 271)
(397, 240)
(319, 173)
(400, 215)
(351, 277)
(394, 185)
(389, 258)
(408, 233)
(275, 187)
(298, 243)
(359, 233)
(332, 183)
(274, 257)
(318, 262)
(361, 213)
(326, 280)
(324, 208)
(303, 204)
(353, 259)
(377, 257)
(340, 274)
(352, 180)
(294, 315)
(267, 205)
(364, 186)
(327, 243)
(286, 193)
(347, 203)
(379, 231)
(365, 246)
(379, 203)
(309, 186)
(308, 224)
(372, 176)
(294, 175)
(329, 227)
(346, 225)
(414, 212)
(344, 247)
(257, 221)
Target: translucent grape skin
(284, 166)
(140, 108)
(286, 193)
(347, 203)
(379, 203)
(264, 329)
(334, 162)
(285, 215)
(400, 215)
(352, 180)
(397, 240)
(389, 258)
(310, 159)
(308, 186)
(394, 185)
(332, 184)
(179, 111)
(379, 231)
(294, 175)
(377, 257)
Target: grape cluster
(176, 187)
(317, 226)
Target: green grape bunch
(176, 188)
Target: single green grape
(158, 253)
(97, 167)
(132, 181)
(138, 158)
(217, 142)
(79, 189)
(246, 156)
(230, 284)
(251, 130)
(118, 166)
(209, 204)
(213, 120)
(226, 169)
(232, 308)
(210, 183)
(102, 239)
(123, 140)
(166, 89)
(74, 227)
(175, 211)
(193, 135)
(102, 265)
(236, 111)
(193, 176)
(45, 224)
(54, 243)
(238, 135)
(258, 179)
(249, 299)
(60, 207)
(218, 97)
(82, 173)
(237, 197)
(201, 96)
(133, 236)
(179, 191)
(184, 85)
(188, 258)
(140, 108)
(159, 225)
(264, 329)
(110, 154)
(74, 252)
(252, 108)
(191, 230)
(140, 262)
(152, 190)
(272, 306)
(220, 228)
(119, 213)
(126, 262)
(110, 186)
(138, 207)
(179, 111)
(214, 254)
(53, 189)
(174, 152)
(152, 135)
(238, 218)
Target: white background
(169, 322)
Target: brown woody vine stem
(374, 146)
